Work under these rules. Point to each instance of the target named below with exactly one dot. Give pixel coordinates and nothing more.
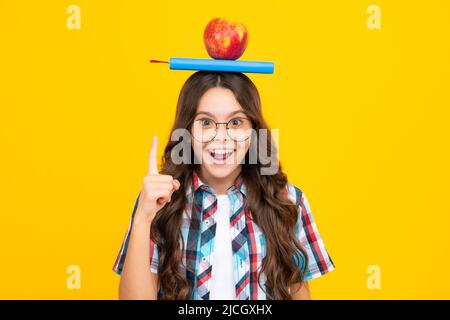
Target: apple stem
(159, 61)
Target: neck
(220, 185)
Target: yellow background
(363, 118)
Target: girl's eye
(205, 122)
(236, 122)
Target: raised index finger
(152, 162)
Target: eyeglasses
(205, 130)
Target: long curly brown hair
(266, 197)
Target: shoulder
(294, 193)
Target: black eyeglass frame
(217, 129)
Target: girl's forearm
(137, 281)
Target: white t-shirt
(222, 280)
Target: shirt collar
(237, 186)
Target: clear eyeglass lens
(239, 129)
(204, 130)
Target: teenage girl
(214, 225)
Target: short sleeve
(120, 260)
(319, 261)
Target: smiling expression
(221, 155)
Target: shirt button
(207, 222)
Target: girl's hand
(157, 188)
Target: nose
(221, 132)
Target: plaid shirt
(248, 242)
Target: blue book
(221, 65)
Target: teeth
(221, 151)
(220, 154)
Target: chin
(219, 171)
(221, 162)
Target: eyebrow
(211, 115)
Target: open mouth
(220, 155)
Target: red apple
(225, 39)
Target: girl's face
(220, 150)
